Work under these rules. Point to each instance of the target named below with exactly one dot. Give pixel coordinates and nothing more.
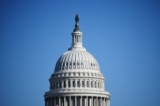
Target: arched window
(64, 84)
(73, 83)
(98, 84)
(74, 38)
(78, 64)
(63, 65)
(80, 39)
(87, 83)
(60, 86)
(78, 84)
(69, 83)
(57, 84)
(70, 65)
(77, 38)
(53, 85)
(82, 83)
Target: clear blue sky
(123, 35)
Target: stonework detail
(77, 80)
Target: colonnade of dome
(77, 100)
(77, 80)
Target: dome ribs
(76, 59)
(67, 60)
(82, 61)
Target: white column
(62, 82)
(75, 83)
(64, 102)
(69, 101)
(104, 102)
(80, 100)
(92, 104)
(84, 83)
(97, 101)
(87, 101)
(45, 102)
(54, 101)
(49, 102)
(75, 101)
(66, 83)
(101, 101)
(89, 83)
(59, 101)
(80, 81)
(90, 101)
(71, 83)
(108, 102)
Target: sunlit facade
(77, 80)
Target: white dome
(76, 59)
(77, 80)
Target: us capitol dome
(77, 80)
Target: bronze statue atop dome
(77, 19)
(76, 25)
